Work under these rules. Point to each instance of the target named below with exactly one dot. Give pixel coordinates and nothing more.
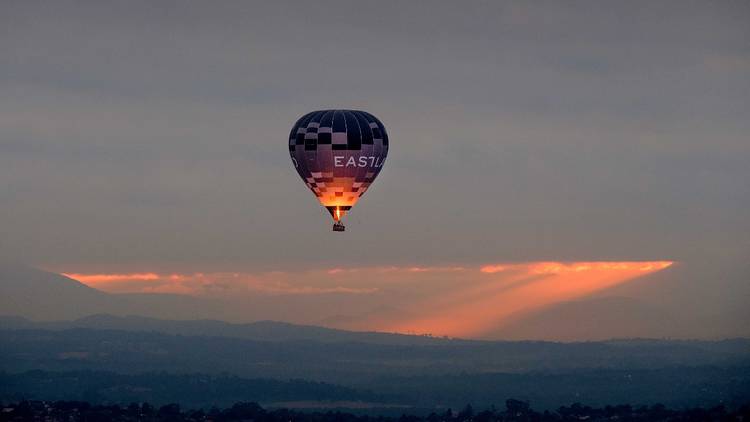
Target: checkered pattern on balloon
(338, 154)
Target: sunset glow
(450, 300)
(520, 289)
(96, 279)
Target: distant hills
(37, 295)
(43, 296)
(272, 331)
(108, 365)
(108, 347)
(278, 350)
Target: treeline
(680, 387)
(515, 410)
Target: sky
(444, 301)
(145, 138)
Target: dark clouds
(153, 134)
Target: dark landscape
(514, 410)
(318, 366)
(374, 211)
(107, 359)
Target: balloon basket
(338, 227)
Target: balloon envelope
(338, 154)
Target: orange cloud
(491, 269)
(207, 283)
(104, 278)
(434, 269)
(389, 269)
(575, 267)
(488, 305)
(448, 300)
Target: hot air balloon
(338, 154)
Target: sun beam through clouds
(445, 300)
(515, 289)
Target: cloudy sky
(150, 138)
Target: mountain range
(620, 313)
(108, 347)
